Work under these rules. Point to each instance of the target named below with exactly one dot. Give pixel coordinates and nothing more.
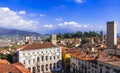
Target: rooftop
(6, 67)
(83, 56)
(37, 46)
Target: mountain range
(4, 31)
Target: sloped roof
(37, 46)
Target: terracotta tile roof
(4, 61)
(83, 56)
(71, 50)
(37, 46)
(21, 67)
(6, 67)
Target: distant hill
(4, 31)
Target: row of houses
(96, 62)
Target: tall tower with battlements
(111, 35)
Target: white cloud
(12, 19)
(79, 1)
(58, 19)
(49, 26)
(22, 12)
(41, 15)
(72, 25)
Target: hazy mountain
(4, 31)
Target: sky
(59, 16)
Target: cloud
(65, 27)
(58, 19)
(72, 25)
(41, 15)
(12, 19)
(79, 1)
(22, 12)
(49, 26)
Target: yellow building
(66, 55)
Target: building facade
(111, 35)
(40, 58)
(81, 63)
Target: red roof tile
(37, 46)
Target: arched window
(54, 57)
(38, 59)
(42, 68)
(46, 58)
(50, 66)
(54, 65)
(38, 69)
(42, 58)
(46, 67)
(34, 69)
(50, 58)
(58, 57)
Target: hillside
(4, 31)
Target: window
(54, 57)
(50, 58)
(23, 54)
(107, 67)
(42, 58)
(29, 69)
(50, 66)
(24, 62)
(54, 65)
(29, 61)
(33, 60)
(38, 69)
(42, 68)
(46, 58)
(57, 57)
(100, 70)
(38, 59)
(107, 72)
(34, 69)
(46, 67)
(37, 52)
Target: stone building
(53, 39)
(26, 39)
(101, 37)
(40, 57)
(111, 38)
(111, 35)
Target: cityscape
(59, 36)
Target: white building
(40, 57)
(92, 63)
